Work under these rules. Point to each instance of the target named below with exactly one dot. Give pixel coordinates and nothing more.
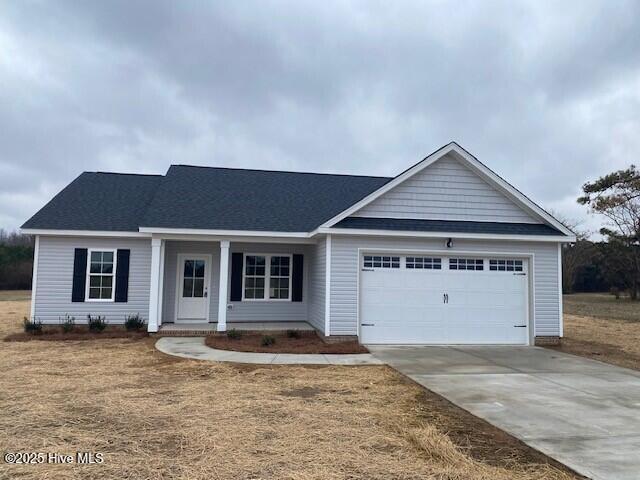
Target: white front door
(436, 299)
(193, 287)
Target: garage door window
(371, 261)
(466, 264)
(426, 263)
(505, 265)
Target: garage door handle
(367, 270)
(368, 324)
(520, 326)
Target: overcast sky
(547, 94)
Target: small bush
(96, 324)
(268, 340)
(234, 334)
(134, 323)
(615, 291)
(293, 334)
(34, 327)
(68, 324)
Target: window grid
(279, 278)
(380, 261)
(426, 263)
(505, 265)
(101, 273)
(267, 277)
(466, 264)
(254, 276)
(193, 279)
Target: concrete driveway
(583, 413)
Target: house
(446, 252)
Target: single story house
(446, 252)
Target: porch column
(223, 286)
(154, 292)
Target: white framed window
(466, 264)
(425, 263)
(266, 277)
(380, 261)
(505, 265)
(101, 274)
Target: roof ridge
(125, 173)
(278, 171)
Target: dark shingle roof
(411, 225)
(236, 199)
(98, 201)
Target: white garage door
(443, 300)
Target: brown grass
(158, 417)
(602, 305)
(308, 342)
(80, 332)
(611, 341)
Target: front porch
(202, 284)
(183, 329)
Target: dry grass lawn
(602, 305)
(157, 417)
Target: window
(505, 265)
(193, 286)
(466, 264)
(101, 269)
(381, 262)
(257, 283)
(426, 263)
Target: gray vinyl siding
(446, 190)
(317, 284)
(345, 270)
(55, 278)
(172, 249)
(265, 311)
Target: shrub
(293, 334)
(234, 334)
(268, 340)
(96, 324)
(134, 323)
(34, 327)
(68, 324)
(615, 291)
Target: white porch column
(223, 286)
(163, 244)
(154, 293)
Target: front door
(193, 287)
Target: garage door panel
(409, 306)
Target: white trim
(560, 299)
(218, 238)
(225, 233)
(83, 233)
(180, 257)
(223, 285)
(476, 165)
(152, 325)
(475, 236)
(34, 277)
(88, 274)
(161, 282)
(327, 287)
(530, 257)
(267, 276)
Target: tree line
(611, 264)
(16, 260)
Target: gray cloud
(545, 93)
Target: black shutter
(79, 274)
(297, 276)
(122, 276)
(236, 276)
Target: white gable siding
(446, 190)
(345, 271)
(317, 267)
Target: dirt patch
(611, 341)
(156, 416)
(307, 342)
(81, 332)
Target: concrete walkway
(583, 413)
(194, 347)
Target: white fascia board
(473, 236)
(225, 233)
(83, 233)
(484, 171)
